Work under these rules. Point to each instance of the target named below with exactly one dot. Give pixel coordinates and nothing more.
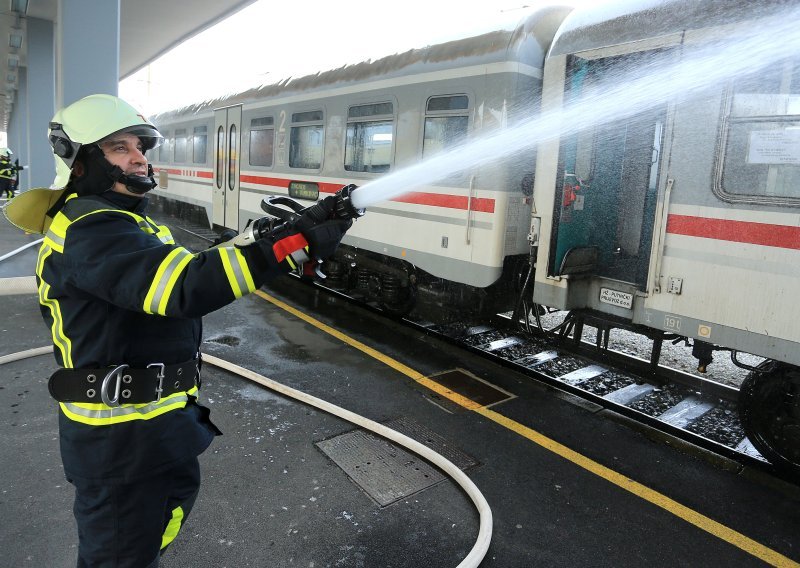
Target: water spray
(620, 96)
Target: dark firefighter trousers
(7, 187)
(130, 525)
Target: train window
(263, 121)
(311, 116)
(163, 150)
(233, 156)
(180, 145)
(220, 155)
(305, 140)
(446, 122)
(760, 158)
(453, 102)
(373, 110)
(262, 139)
(370, 131)
(200, 144)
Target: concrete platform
(568, 486)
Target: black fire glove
(224, 237)
(321, 229)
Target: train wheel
(769, 407)
(401, 307)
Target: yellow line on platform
(396, 365)
(691, 516)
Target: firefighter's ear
(78, 168)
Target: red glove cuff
(287, 245)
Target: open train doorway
(225, 194)
(605, 216)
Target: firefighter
(124, 305)
(8, 173)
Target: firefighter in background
(124, 304)
(8, 173)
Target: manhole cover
(385, 471)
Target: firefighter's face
(126, 151)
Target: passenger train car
(310, 136)
(682, 218)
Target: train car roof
(625, 21)
(520, 36)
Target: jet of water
(620, 96)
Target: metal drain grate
(386, 472)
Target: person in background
(124, 304)
(9, 173)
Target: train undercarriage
(399, 287)
(769, 398)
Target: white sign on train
(616, 298)
(774, 146)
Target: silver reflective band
(163, 281)
(236, 268)
(115, 372)
(129, 410)
(300, 257)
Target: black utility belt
(122, 384)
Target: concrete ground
(568, 485)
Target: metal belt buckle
(160, 387)
(116, 371)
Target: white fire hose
(27, 285)
(475, 556)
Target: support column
(18, 127)
(35, 151)
(88, 49)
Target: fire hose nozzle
(344, 208)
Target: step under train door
(225, 190)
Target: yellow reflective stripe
(57, 233)
(162, 232)
(164, 281)
(145, 226)
(55, 242)
(60, 340)
(173, 526)
(237, 271)
(98, 414)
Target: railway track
(696, 410)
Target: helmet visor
(147, 134)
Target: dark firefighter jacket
(7, 170)
(114, 288)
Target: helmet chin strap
(135, 184)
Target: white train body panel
(460, 229)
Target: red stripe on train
(479, 204)
(262, 180)
(450, 201)
(765, 234)
(188, 173)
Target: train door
(225, 198)
(605, 217)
